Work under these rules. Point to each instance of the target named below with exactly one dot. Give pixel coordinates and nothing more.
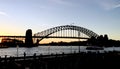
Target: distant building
(11, 42)
(7, 40)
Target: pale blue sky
(100, 16)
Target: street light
(79, 39)
(17, 50)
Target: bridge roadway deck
(45, 37)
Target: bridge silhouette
(65, 31)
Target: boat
(94, 48)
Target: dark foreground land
(63, 61)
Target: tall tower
(28, 38)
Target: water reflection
(48, 50)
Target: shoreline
(62, 61)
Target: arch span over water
(66, 27)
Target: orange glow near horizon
(57, 40)
(11, 33)
(0, 40)
(11, 30)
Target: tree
(106, 37)
(92, 41)
(100, 40)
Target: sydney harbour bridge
(65, 31)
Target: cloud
(3, 13)
(59, 1)
(62, 2)
(117, 6)
(109, 4)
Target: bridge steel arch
(50, 31)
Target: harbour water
(19, 51)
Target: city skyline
(100, 16)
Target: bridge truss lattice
(70, 28)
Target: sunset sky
(100, 16)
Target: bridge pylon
(28, 38)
